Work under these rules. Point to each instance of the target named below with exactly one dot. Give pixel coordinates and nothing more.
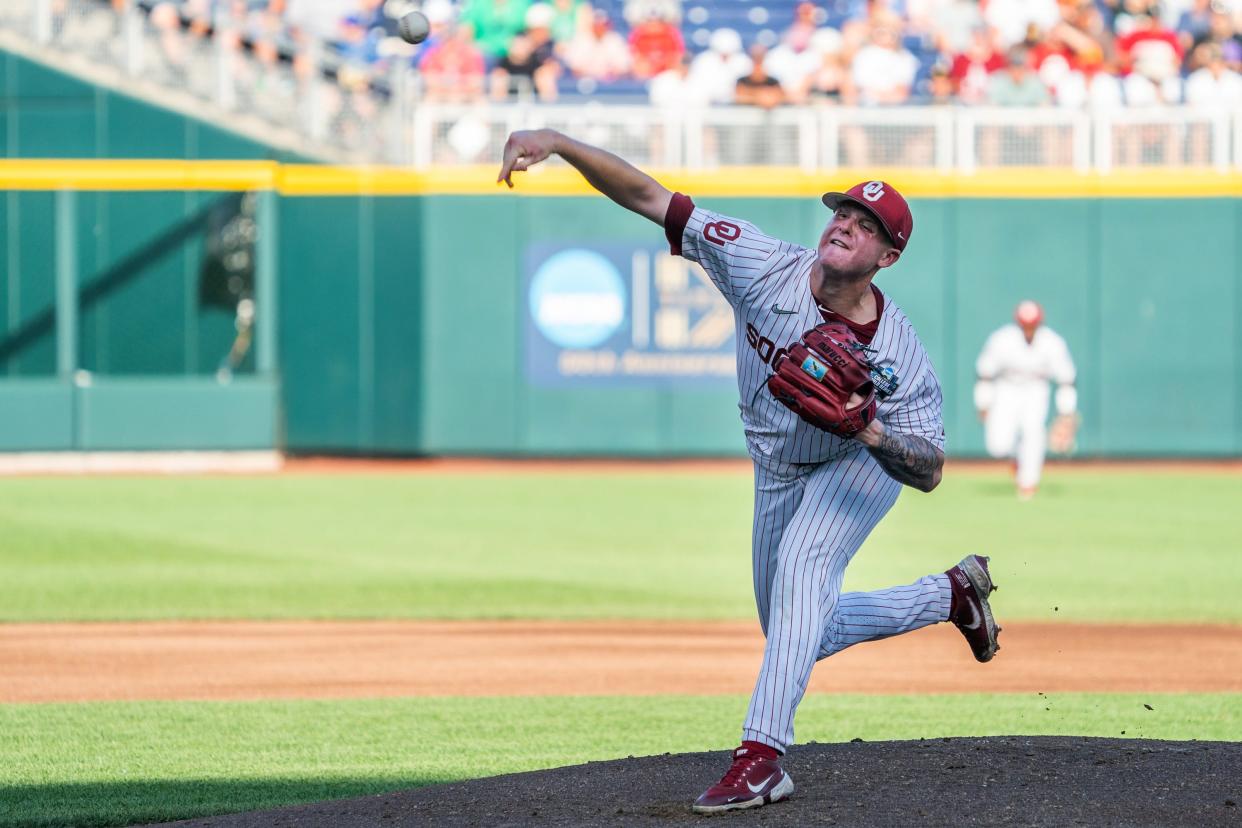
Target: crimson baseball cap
(884, 202)
(1028, 313)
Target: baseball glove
(818, 376)
(1063, 433)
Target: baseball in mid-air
(413, 27)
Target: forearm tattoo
(909, 459)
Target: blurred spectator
(1215, 85)
(359, 34)
(1221, 31)
(1079, 53)
(799, 55)
(1012, 19)
(940, 86)
(1095, 87)
(818, 66)
(857, 31)
(308, 23)
(1086, 31)
(529, 63)
(1064, 51)
(635, 12)
(598, 52)
(970, 69)
(758, 88)
(1017, 84)
(1124, 14)
(830, 82)
(717, 70)
(1150, 49)
(950, 23)
(807, 18)
(883, 72)
(569, 17)
(655, 46)
(1150, 57)
(674, 89)
(1194, 25)
(495, 23)
(314, 18)
(166, 17)
(453, 68)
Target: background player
(818, 495)
(1011, 394)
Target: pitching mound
(952, 782)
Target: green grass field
(113, 764)
(1093, 547)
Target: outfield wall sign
(613, 314)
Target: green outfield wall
(147, 336)
(410, 324)
(410, 331)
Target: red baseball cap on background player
(883, 201)
(1028, 314)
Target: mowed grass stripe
(119, 763)
(1094, 546)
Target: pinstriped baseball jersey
(767, 281)
(817, 496)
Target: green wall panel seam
(950, 414)
(1089, 371)
(366, 322)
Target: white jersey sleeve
(1060, 363)
(992, 358)
(1061, 368)
(987, 368)
(734, 253)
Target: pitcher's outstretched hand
(523, 150)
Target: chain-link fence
(293, 80)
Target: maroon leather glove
(816, 378)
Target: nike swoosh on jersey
(778, 309)
(759, 787)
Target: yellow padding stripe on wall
(560, 180)
(111, 175)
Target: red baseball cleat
(751, 781)
(971, 613)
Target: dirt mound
(951, 782)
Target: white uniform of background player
(1012, 392)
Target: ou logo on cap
(873, 190)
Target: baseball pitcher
(1011, 395)
(841, 408)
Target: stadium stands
(335, 71)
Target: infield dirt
(260, 660)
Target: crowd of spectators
(1068, 53)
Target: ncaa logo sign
(873, 190)
(577, 299)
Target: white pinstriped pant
(809, 522)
